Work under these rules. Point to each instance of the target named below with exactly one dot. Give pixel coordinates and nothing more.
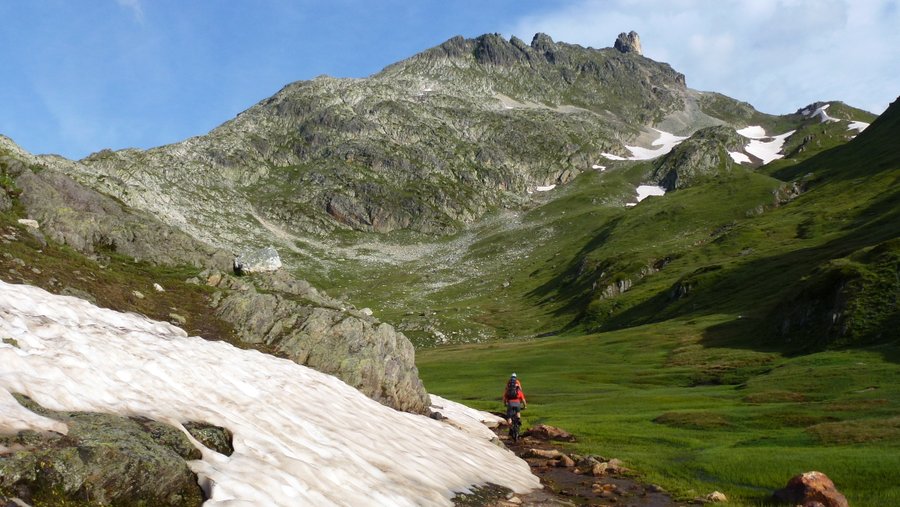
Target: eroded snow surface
(301, 437)
(469, 419)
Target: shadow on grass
(569, 286)
(759, 292)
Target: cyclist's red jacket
(521, 395)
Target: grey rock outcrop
(90, 222)
(260, 261)
(702, 156)
(367, 154)
(108, 459)
(629, 43)
(290, 318)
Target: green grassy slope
(756, 338)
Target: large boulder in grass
(544, 432)
(809, 489)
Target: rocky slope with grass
(428, 144)
(277, 312)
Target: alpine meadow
(703, 291)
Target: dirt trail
(564, 487)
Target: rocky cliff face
(428, 144)
(294, 320)
(704, 155)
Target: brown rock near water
(810, 489)
(544, 432)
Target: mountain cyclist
(514, 399)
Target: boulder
(109, 459)
(565, 461)
(261, 261)
(543, 453)
(214, 437)
(716, 497)
(544, 432)
(292, 319)
(810, 488)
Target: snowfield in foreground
(300, 437)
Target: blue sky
(85, 75)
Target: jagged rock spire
(629, 43)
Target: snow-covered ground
(738, 157)
(820, 112)
(766, 151)
(753, 132)
(666, 141)
(300, 437)
(466, 418)
(857, 125)
(546, 188)
(645, 191)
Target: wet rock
(543, 453)
(810, 487)
(600, 469)
(565, 461)
(545, 432)
(214, 437)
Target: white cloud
(777, 54)
(135, 6)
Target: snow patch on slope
(857, 125)
(765, 150)
(739, 158)
(666, 142)
(301, 437)
(645, 191)
(820, 112)
(752, 132)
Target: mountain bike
(516, 425)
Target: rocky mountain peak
(542, 42)
(629, 43)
